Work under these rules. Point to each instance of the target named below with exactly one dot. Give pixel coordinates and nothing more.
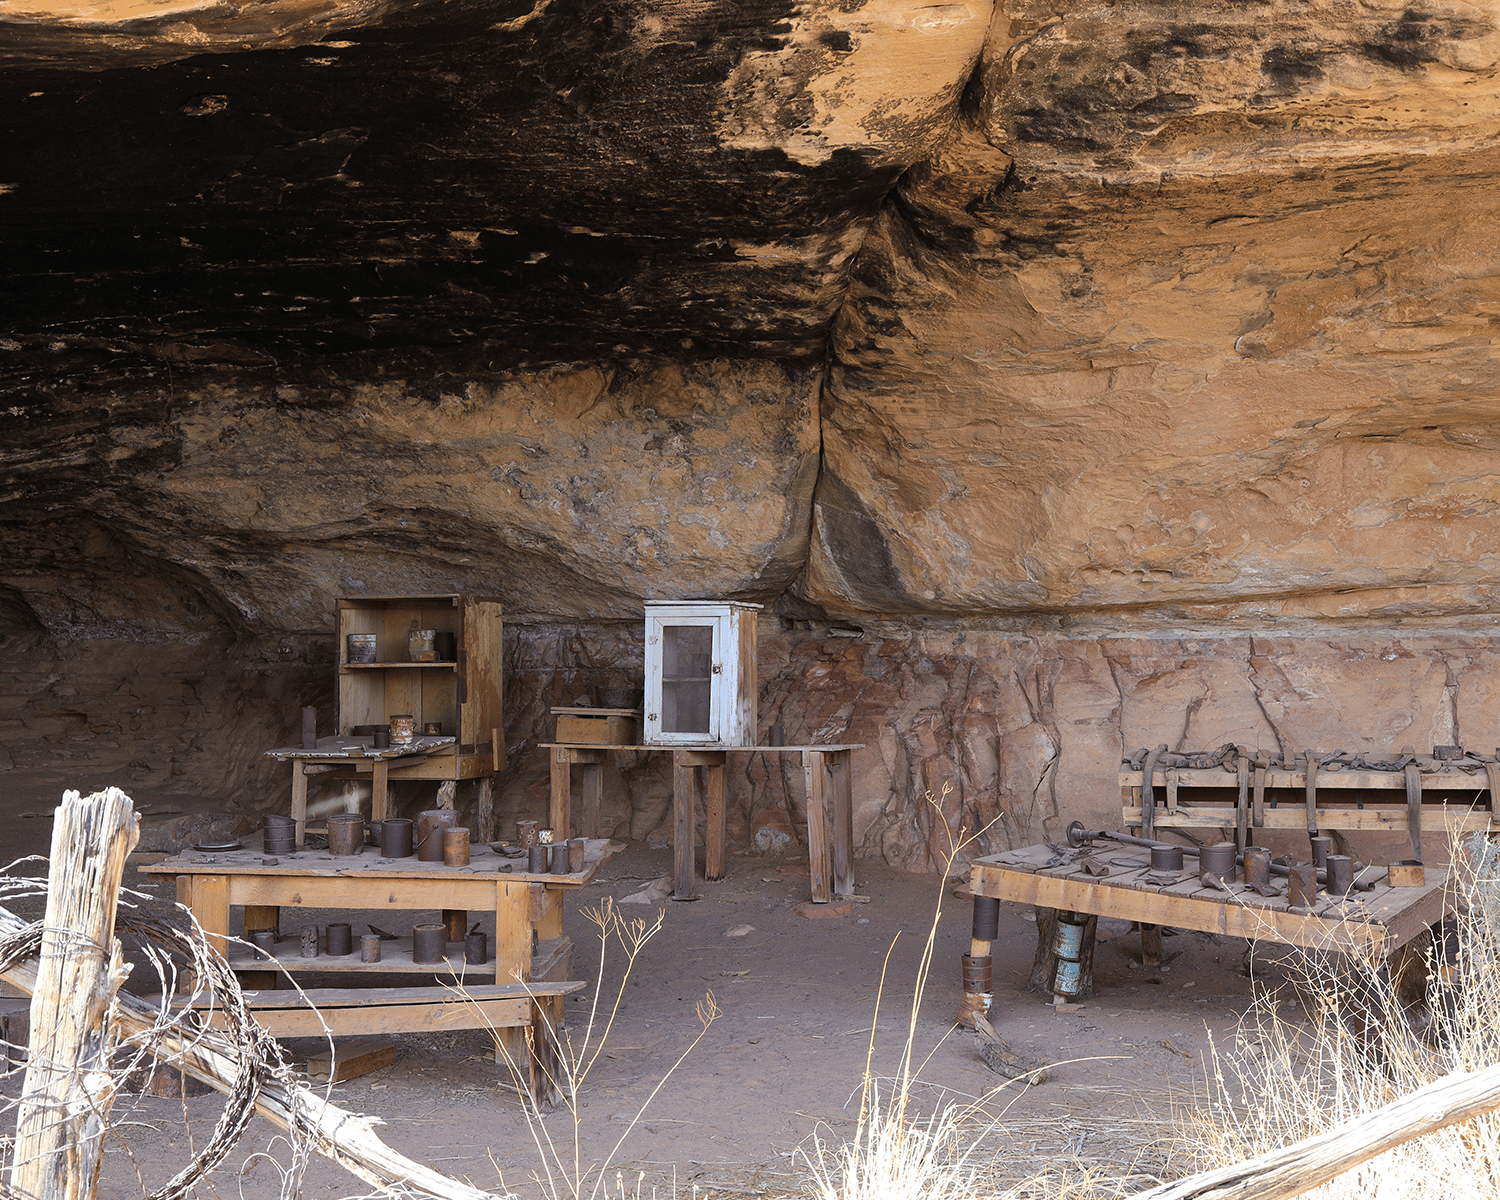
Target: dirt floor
(781, 1064)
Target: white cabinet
(700, 673)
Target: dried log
(1292, 1170)
(68, 1089)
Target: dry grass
(1343, 1045)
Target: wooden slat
(684, 834)
(841, 785)
(715, 817)
(430, 994)
(1183, 912)
(1393, 820)
(819, 850)
(1393, 780)
(377, 892)
(512, 932)
(399, 1018)
(560, 797)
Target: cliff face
(1063, 379)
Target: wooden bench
(342, 1012)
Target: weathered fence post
(68, 1088)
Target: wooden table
(526, 991)
(1372, 923)
(830, 806)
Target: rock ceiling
(1126, 307)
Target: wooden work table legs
(591, 764)
(830, 823)
(830, 820)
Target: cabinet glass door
(687, 677)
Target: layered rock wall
(1062, 379)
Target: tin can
(369, 948)
(395, 838)
(536, 859)
(1069, 978)
(544, 836)
(309, 941)
(362, 647)
(476, 949)
(1322, 847)
(403, 728)
(1340, 874)
(526, 833)
(340, 940)
(419, 645)
(577, 848)
(456, 847)
(1257, 865)
(1302, 886)
(428, 943)
(1067, 942)
(1166, 858)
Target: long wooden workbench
(520, 993)
(1373, 923)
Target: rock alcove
(1062, 379)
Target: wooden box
(700, 673)
(464, 695)
(598, 726)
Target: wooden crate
(598, 726)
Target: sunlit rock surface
(1061, 380)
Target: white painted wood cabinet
(700, 673)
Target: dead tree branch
(1292, 1170)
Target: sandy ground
(781, 1064)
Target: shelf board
(405, 666)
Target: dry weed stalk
(894, 1152)
(563, 1172)
(1355, 1049)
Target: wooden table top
(484, 863)
(1131, 890)
(696, 748)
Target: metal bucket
(346, 834)
(1217, 860)
(1166, 858)
(430, 826)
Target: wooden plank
(351, 1059)
(841, 784)
(1457, 781)
(62, 1114)
(375, 891)
(512, 932)
(428, 994)
(592, 780)
(560, 796)
(299, 797)
(684, 835)
(485, 811)
(211, 907)
(715, 816)
(1435, 817)
(1184, 912)
(819, 851)
(399, 1018)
